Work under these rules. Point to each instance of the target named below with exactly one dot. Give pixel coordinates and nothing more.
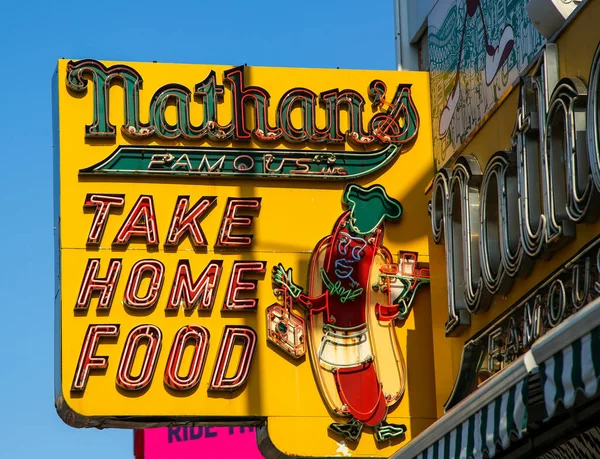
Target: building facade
(513, 246)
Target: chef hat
(369, 207)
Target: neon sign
(495, 347)
(525, 205)
(356, 293)
(143, 289)
(394, 122)
(165, 248)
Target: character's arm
(401, 291)
(408, 289)
(282, 278)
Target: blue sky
(33, 35)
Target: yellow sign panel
(222, 255)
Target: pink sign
(196, 442)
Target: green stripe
(471, 436)
(543, 377)
(510, 410)
(436, 448)
(483, 429)
(596, 350)
(447, 446)
(497, 416)
(576, 370)
(558, 368)
(525, 392)
(458, 441)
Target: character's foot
(496, 57)
(350, 431)
(449, 109)
(385, 431)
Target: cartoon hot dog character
(355, 294)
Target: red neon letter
(88, 360)
(140, 270)
(236, 285)
(201, 337)
(185, 221)
(231, 221)
(200, 293)
(92, 283)
(103, 204)
(153, 337)
(141, 222)
(246, 336)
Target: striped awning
(486, 431)
(485, 422)
(568, 361)
(574, 369)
